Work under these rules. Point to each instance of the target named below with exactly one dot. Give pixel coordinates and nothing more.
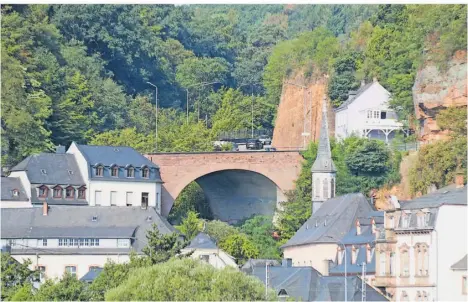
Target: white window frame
(72, 269)
(123, 243)
(129, 199)
(113, 201)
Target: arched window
(130, 171)
(392, 263)
(70, 192)
(426, 261)
(99, 170)
(404, 262)
(325, 188)
(332, 188)
(43, 191)
(145, 172)
(115, 171)
(383, 263)
(82, 193)
(340, 255)
(317, 188)
(57, 192)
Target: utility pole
(156, 97)
(266, 280)
(251, 109)
(363, 282)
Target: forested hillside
(80, 72)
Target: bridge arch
(179, 169)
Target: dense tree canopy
(188, 280)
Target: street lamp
(251, 91)
(196, 85)
(305, 115)
(156, 97)
(345, 266)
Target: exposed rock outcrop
(292, 120)
(434, 90)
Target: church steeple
(323, 170)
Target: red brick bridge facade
(179, 169)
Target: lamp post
(156, 97)
(305, 115)
(345, 266)
(195, 85)
(251, 91)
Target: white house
(118, 176)
(76, 239)
(204, 248)
(423, 239)
(84, 175)
(366, 113)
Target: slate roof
(122, 157)
(307, 284)
(351, 98)
(324, 162)
(461, 264)
(202, 241)
(8, 184)
(91, 275)
(449, 195)
(109, 155)
(77, 221)
(360, 243)
(56, 168)
(334, 218)
(252, 264)
(299, 282)
(332, 288)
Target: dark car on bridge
(254, 144)
(265, 140)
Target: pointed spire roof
(324, 162)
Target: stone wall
(434, 90)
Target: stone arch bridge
(236, 184)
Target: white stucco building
(366, 113)
(84, 175)
(423, 239)
(76, 239)
(118, 176)
(202, 247)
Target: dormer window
(145, 172)
(130, 172)
(405, 220)
(100, 170)
(340, 255)
(82, 193)
(115, 171)
(358, 228)
(57, 192)
(15, 192)
(70, 192)
(354, 253)
(43, 191)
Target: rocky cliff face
(300, 112)
(434, 90)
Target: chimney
(459, 180)
(60, 149)
(287, 262)
(45, 209)
(363, 82)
